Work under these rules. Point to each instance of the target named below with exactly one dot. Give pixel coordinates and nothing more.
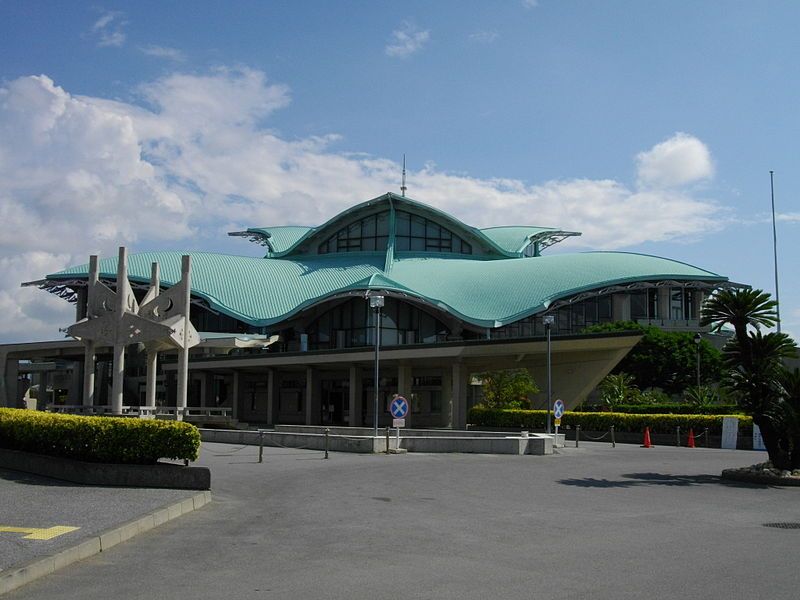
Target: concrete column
(117, 383)
(207, 390)
(89, 369)
(404, 382)
(235, 395)
(8, 380)
(356, 397)
(89, 360)
(43, 399)
(272, 397)
(313, 397)
(81, 303)
(75, 384)
(458, 397)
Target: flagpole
(775, 250)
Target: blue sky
(649, 126)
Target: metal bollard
(260, 445)
(705, 436)
(613, 441)
(327, 432)
(577, 434)
(678, 436)
(387, 440)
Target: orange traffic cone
(690, 443)
(646, 443)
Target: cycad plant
(755, 367)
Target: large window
(352, 324)
(644, 304)
(370, 233)
(569, 319)
(418, 234)
(412, 234)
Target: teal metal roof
(490, 293)
(514, 238)
(277, 239)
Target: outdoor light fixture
(376, 303)
(548, 321)
(697, 339)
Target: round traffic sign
(398, 407)
(558, 409)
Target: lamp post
(697, 339)
(548, 321)
(376, 303)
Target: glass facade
(412, 234)
(352, 324)
(570, 319)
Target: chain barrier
(594, 439)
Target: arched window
(368, 234)
(418, 234)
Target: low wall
(154, 476)
(432, 441)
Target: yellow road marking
(37, 533)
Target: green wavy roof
(491, 293)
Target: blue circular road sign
(558, 409)
(398, 407)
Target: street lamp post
(697, 339)
(548, 321)
(376, 303)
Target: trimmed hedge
(669, 408)
(98, 439)
(600, 421)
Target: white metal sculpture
(116, 319)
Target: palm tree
(741, 308)
(755, 366)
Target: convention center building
(290, 337)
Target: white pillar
(152, 356)
(89, 366)
(183, 353)
(117, 385)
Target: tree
(665, 359)
(508, 388)
(756, 376)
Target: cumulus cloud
(195, 159)
(164, 52)
(109, 29)
(530, 3)
(406, 40)
(680, 160)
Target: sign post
(399, 409)
(558, 412)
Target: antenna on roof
(403, 187)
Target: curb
(159, 475)
(763, 479)
(39, 567)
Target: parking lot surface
(592, 522)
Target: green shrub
(601, 421)
(97, 439)
(670, 408)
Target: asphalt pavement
(592, 522)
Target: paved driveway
(593, 522)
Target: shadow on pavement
(30, 479)
(640, 479)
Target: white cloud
(81, 175)
(788, 217)
(530, 3)
(680, 160)
(483, 37)
(406, 40)
(164, 52)
(109, 29)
